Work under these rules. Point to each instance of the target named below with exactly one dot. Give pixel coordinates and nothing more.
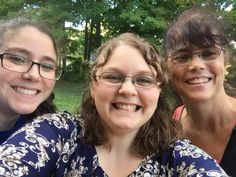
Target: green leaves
(102, 19)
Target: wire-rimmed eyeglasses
(21, 64)
(207, 54)
(143, 81)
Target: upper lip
(27, 88)
(199, 78)
(126, 103)
(128, 106)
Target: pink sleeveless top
(177, 116)
(177, 113)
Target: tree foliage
(102, 19)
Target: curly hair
(156, 135)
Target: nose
(196, 63)
(32, 73)
(128, 87)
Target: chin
(201, 98)
(25, 110)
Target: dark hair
(198, 27)
(160, 131)
(11, 27)
(229, 90)
(46, 106)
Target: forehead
(30, 39)
(25, 32)
(127, 58)
(183, 47)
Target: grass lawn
(68, 95)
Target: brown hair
(198, 27)
(160, 131)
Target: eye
(144, 80)
(182, 58)
(47, 67)
(209, 54)
(112, 77)
(17, 60)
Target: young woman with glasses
(195, 47)
(124, 127)
(28, 71)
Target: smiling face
(124, 108)
(198, 80)
(195, 31)
(21, 93)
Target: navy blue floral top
(51, 146)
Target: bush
(76, 70)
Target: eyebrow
(117, 70)
(182, 50)
(28, 53)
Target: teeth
(199, 80)
(126, 107)
(25, 91)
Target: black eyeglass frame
(57, 76)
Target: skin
(21, 93)
(123, 124)
(199, 80)
(209, 111)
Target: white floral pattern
(51, 146)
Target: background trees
(80, 26)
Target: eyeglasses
(143, 81)
(21, 64)
(207, 54)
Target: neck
(213, 114)
(7, 122)
(119, 154)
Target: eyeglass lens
(20, 64)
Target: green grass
(68, 95)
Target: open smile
(126, 107)
(199, 80)
(26, 91)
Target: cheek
(218, 68)
(49, 86)
(150, 98)
(175, 76)
(101, 93)
(175, 72)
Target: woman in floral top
(28, 72)
(124, 126)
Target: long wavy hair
(156, 135)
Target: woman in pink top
(195, 47)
